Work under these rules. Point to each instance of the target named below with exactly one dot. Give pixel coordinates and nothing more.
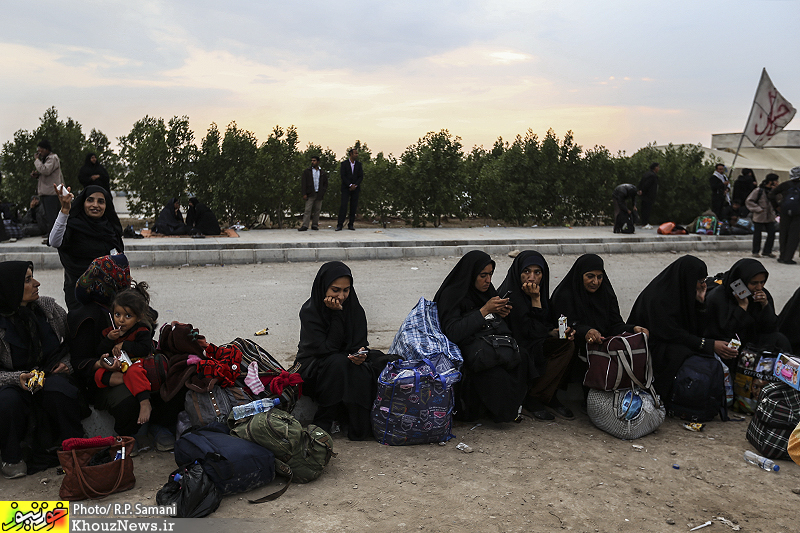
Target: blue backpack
(698, 392)
(233, 464)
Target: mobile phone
(109, 360)
(507, 295)
(740, 290)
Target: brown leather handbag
(93, 473)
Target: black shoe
(315, 228)
(560, 410)
(536, 409)
(351, 228)
(302, 228)
(787, 261)
(338, 228)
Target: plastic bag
(192, 489)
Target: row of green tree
(548, 181)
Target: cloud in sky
(619, 74)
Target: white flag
(770, 114)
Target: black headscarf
(24, 318)
(789, 321)
(460, 284)
(170, 220)
(722, 306)
(90, 169)
(598, 310)
(668, 305)
(87, 238)
(316, 317)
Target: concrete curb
(212, 252)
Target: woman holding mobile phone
(743, 309)
(470, 310)
(339, 371)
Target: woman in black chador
(535, 327)
(93, 173)
(671, 307)
(751, 319)
(200, 220)
(789, 321)
(338, 371)
(170, 220)
(468, 307)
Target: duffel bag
(776, 416)
(233, 464)
(625, 414)
(301, 454)
(620, 362)
(414, 404)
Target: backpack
(705, 225)
(206, 407)
(777, 415)
(790, 205)
(300, 453)
(698, 392)
(233, 464)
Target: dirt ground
(531, 476)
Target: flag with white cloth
(771, 113)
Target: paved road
(238, 300)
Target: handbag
(489, 349)
(620, 362)
(414, 404)
(93, 473)
(626, 414)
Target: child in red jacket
(133, 334)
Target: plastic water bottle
(252, 408)
(755, 459)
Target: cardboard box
(786, 369)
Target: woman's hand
(640, 329)
(570, 333)
(721, 348)
(333, 303)
(495, 304)
(531, 289)
(594, 336)
(23, 380)
(61, 368)
(359, 357)
(760, 297)
(66, 201)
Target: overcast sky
(617, 73)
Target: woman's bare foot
(144, 411)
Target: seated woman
(789, 321)
(32, 331)
(671, 308)
(585, 296)
(338, 371)
(84, 230)
(96, 289)
(751, 320)
(469, 308)
(534, 324)
(200, 219)
(170, 220)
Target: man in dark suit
(313, 185)
(352, 176)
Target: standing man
(313, 185)
(719, 190)
(648, 190)
(623, 193)
(352, 176)
(48, 173)
(789, 225)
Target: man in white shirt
(313, 185)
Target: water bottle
(146, 224)
(258, 406)
(755, 459)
